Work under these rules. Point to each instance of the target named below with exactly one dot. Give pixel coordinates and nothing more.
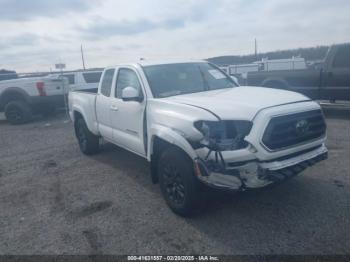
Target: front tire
(18, 112)
(88, 142)
(179, 186)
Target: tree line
(310, 54)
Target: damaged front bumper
(254, 173)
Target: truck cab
(335, 74)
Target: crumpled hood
(240, 103)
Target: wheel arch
(162, 138)
(12, 94)
(76, 113)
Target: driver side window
(126, 77)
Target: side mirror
(131, 94)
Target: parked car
(21, 98)
(83, 80)
(331, 82)
(197, 127)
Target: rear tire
(88, 142)
(18, 112)
(179, 186)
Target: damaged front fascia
(246, 176)
(215, 173)
(251, 174)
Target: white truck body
(135, 125)
(52, 85)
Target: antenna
(82, 56)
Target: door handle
(114, 108)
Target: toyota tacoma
(197, 127)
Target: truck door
(128, 116)
(337, 75)
(103, 105)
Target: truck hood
(239, 103)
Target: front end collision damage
(255, 174)
(240, 170)
(222, 161)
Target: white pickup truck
(197, 127)
(22, 97)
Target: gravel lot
(54, 200)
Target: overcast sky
(36, 34)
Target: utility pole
(256, 50)
(82, 56)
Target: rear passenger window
(107, 82)
(93, 77)
(126, 77)
(342, 58)
(71, 79)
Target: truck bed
(84, 102)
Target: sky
(37, 34)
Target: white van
(83, 80)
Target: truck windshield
(184, 78)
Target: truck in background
(83, 80)
(328, 81)
(22, 97)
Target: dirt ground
(55, 200)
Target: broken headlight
(224, 135)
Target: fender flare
(91, 126)
(13, 91)
(172, 137)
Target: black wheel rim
(173, 184)
(14, 114)
(81, 137)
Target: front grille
(291, 130)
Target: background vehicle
(21, 98)
(82, 80)
(195, 126)
(331, 82)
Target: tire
(179, 186)
(88, 142)
(18, 112)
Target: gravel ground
(54, 200)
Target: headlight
(224, 135)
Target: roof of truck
(157, 62)
(147, 62)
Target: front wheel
(88, 142)
(178, 184)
